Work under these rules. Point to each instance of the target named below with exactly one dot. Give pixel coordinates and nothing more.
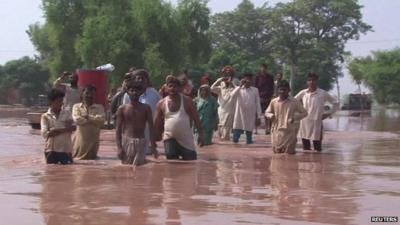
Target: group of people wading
(178, 115)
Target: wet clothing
(265, 85)
(58, 158)
(173, 150)
(177, 126)
(48, 122)
(72, 95)
(87, 136)
(134, 151)
(247, 109)
(284, 115)
(226, 109)
(307, 145)
(237, 133)
(314, 102)
(150, 97)
(207, 110)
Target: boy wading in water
(131, 124)
(56, 128)
(176, 111)
(284, 112)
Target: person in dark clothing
(265, 84)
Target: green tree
(25, 74)
(381, 73)
(56, 39)
(110, 35)
(354, 68)
(241, 37)
(304, 28)
(192, 17)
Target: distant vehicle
(357, 102)
(35, 114)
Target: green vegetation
(25, 74)
(381, 73)
(294, 38)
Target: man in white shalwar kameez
(223, 87)
(313, 100)
(247, 110)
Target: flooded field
(355, 177)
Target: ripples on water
(346, 184)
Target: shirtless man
(175, 113)
(131, 123)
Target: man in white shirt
(313, 100)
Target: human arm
(118, 131)
(300, 112)
(335, 105)
(98, 115)
(235, 92)
(58, 83)
(270, 113)
(44, 126)
(114, 103)
(192, 112)
(47, 131)
(153, 144)
(159, 120)
(299, 96)
(79, 117)
(216, 86)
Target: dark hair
(312, 75)
(174, 80)
(55, 94)
(264, 65)
(141, 72)
(134, 84)
(228, 70)
(89, 87)
(283, 84)
(248, 74)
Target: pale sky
(383, 15)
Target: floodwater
(356, 176)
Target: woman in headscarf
(206, 106)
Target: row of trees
(299, 36)
(293, 38)
(26, 75)
(380, 72)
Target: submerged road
(356, 176)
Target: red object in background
(97, 78)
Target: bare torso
(135, 117)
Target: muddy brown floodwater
(356, 176)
